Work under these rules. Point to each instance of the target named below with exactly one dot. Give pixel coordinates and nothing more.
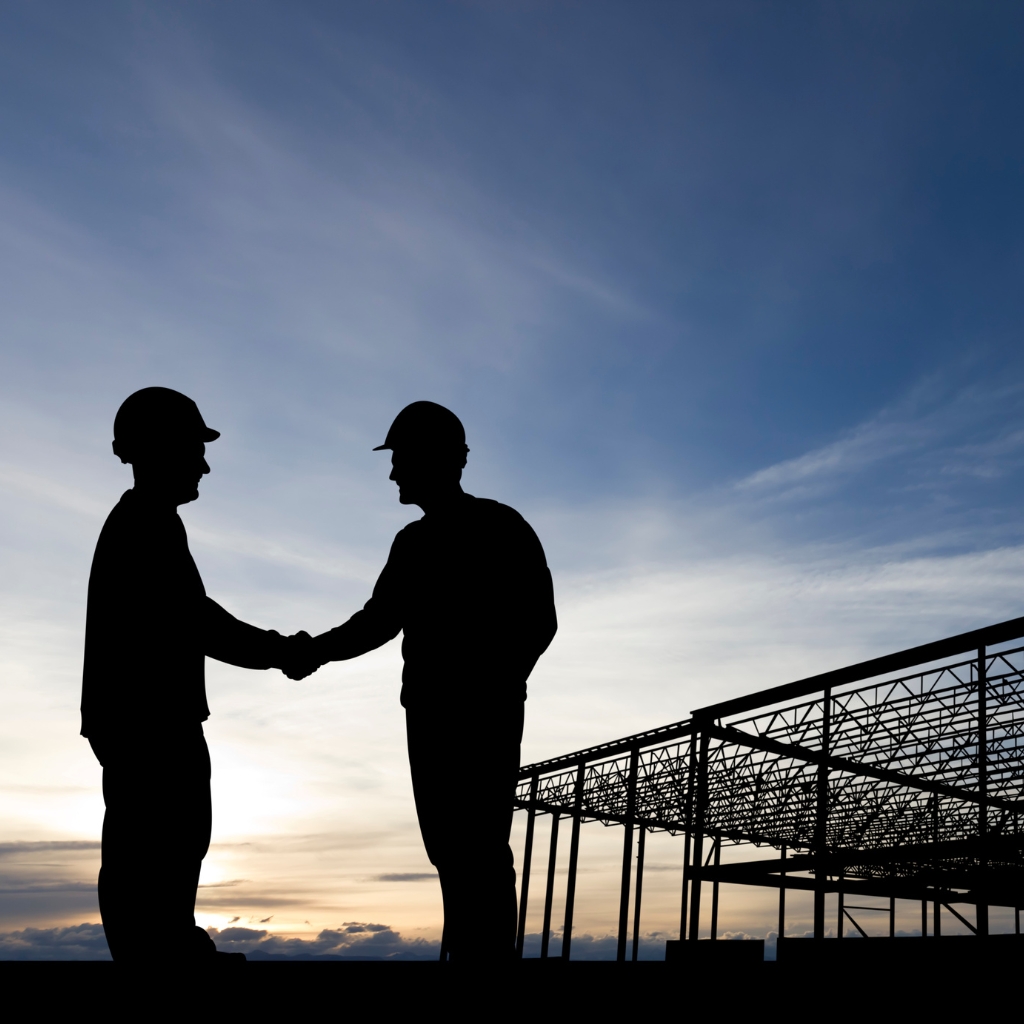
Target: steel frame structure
(900, 778)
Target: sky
(728, 298)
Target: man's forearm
(363, 632)
(230, 640)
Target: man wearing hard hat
(149, 628)
(469, 587)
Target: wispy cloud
(943, 426)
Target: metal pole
(821, 822)
(840, 927)
(627, 855)
(937, 907)
(1016, 917)
(714, 889)
(574, 852)
(782, 897)
(686, 887)
(982, 906)
(698, 838)
(549, 892)
(689, 829)
(892, 917)
(641, 842)
(924, 919)
(524, 892)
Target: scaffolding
(897, 778)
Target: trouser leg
(465, 814)
(156, 832)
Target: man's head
(162, 434)
(428, 452)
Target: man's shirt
(471, 590)
(149, 626)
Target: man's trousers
(464, 766)
(156, 831)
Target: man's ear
(120, 452)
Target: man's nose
(206, 467)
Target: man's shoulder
(122, 518)
(410, 530)
(498, 520)
(132, 524)
(489, 509)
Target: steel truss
(904, 787)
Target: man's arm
(379, 621)
(237, 643)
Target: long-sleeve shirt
(470, 588)
(150, 625)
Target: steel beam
(714, 888)
(910, 658)
(858, 768)
(574, 853)
(524, 888)
(982, 908)
(700, 813)
(627, 856)
(549, 892)
(641, 843)
(782, 894)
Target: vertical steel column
(524, 889)
(641, 842)
(924, 919)
(841, 926)
(821, 819)
(714, 889)
(937, 907)
(688, 818)
(549, 892)
(782, 896)
(700, 813)
(892, 917)
(574, 852)
(1016, 918)
(627, 854)
(982, 907)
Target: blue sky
(727, 294)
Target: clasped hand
(300, 657)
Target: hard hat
(158, 415)
(426, 425)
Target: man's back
(470, 588)
(479, 601)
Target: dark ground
(527, 991)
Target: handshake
(298, 656)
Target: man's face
(410, 471)
(173, 470)
(422, 474)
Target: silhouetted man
(149, 628)
(470, 588)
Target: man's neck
(440, 502)
(155, 497)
